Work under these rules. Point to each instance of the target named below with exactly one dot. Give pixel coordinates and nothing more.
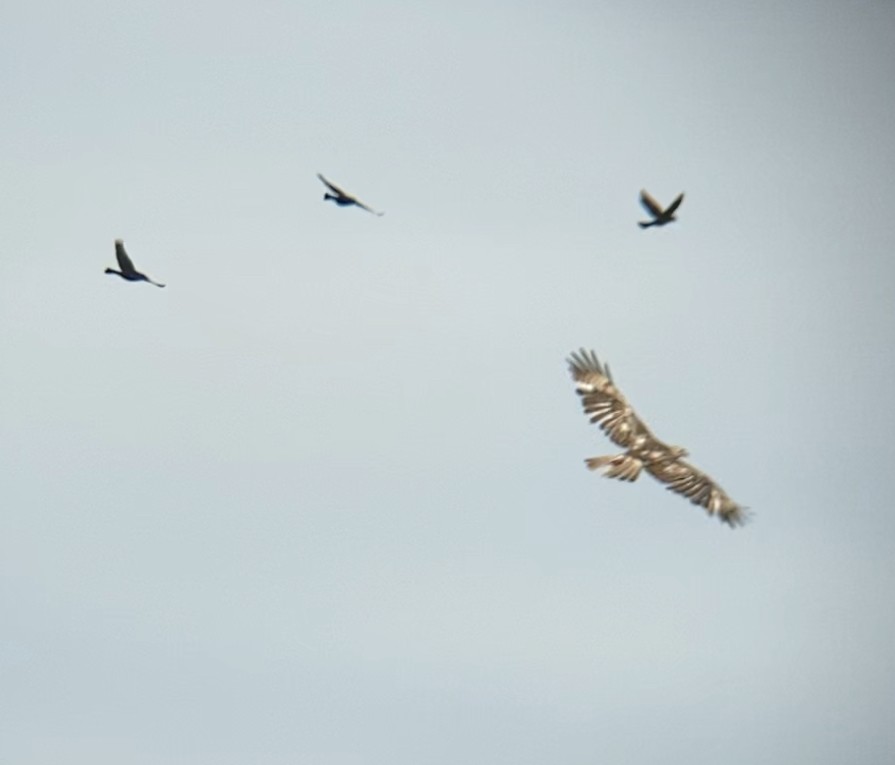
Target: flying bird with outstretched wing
(126, 265)
(344, 199)
(605, 405)
(660, 216)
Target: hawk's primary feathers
(605, 405)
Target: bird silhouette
(660, 216)
(127, 267)
(344, 200)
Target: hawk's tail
(621, 466)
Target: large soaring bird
(343, 199)
(660, 216)
(607, 407)
(127, 267)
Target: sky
(322, 498)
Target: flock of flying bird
(603, 403)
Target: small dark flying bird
(660, 216)
(605, 405)
(127, 267)
(344, 200)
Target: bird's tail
(646, 225)
(622, 466)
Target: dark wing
(605, 405)
(332, 187)
(674, 205)
(699, 488)
(124, 262)
(650, 204)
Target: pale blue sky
(323, 499)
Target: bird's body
(660, 216)
(605, 405)
(340, 201)
(126, 265)
(344, 199)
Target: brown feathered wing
(699, 488)
(605, 405)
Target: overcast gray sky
(322, 499)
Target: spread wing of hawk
(606, 406)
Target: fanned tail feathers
(622, 466)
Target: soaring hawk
(605, 405)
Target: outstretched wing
(650, 204)
(124, 262)
(605, 405)
(332, 187)
(368, 209)
(674, 205)
(699, 488)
